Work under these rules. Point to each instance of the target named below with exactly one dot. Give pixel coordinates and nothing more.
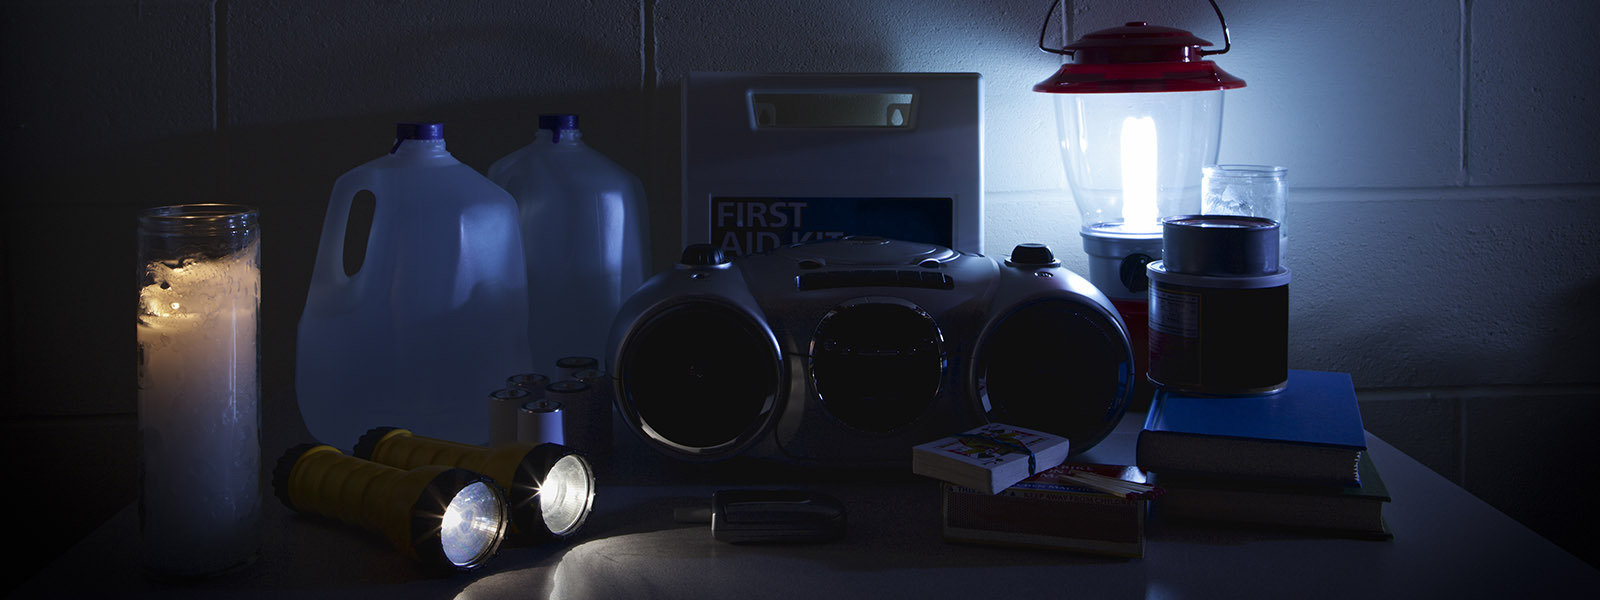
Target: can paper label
(1174, 312)
(1175, 353)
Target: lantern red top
(1138, 57)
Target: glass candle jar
(199, 388)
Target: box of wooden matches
(1087, 508)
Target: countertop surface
(1446, 543)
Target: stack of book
(1007, 485)
(1296, 458)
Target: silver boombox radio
(851, 351)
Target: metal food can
(1219, 307)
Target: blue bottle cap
(419, 131)
(558, 122)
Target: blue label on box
(745, 226)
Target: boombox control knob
(1032, 255)
(702, 255)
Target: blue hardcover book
(1310, 432)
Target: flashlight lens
(472, 525)
(566, 495)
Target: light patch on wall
(998, 39)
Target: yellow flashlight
(550, 487)
(448, 518)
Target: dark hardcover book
(1337, 510)
(1310, 432)
(1050, 511)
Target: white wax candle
(199, 424)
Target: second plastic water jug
(435, 317)
(585, 231)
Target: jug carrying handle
(329, 271)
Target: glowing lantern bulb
(1139, 174)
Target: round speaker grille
(1058, 366)
(701, 378)
(877, 366)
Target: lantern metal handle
(1227, 42)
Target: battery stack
(568, 367)
(573, 410)
(540, 422)
(503, 406)
(593, 430)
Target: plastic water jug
(585, 236)
(435, 317)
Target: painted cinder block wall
(1443, 199)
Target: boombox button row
(880, 278)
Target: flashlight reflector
(566, 495)
(474, 520)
